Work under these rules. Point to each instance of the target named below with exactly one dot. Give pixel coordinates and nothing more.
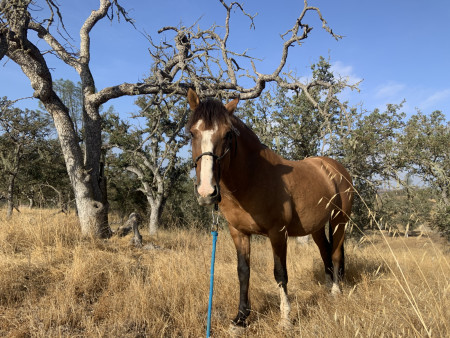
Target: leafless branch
(194, 58)
(201, 59)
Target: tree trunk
(155, 215)
(85, 172)
(10, 195)
(83, 169)
(86, 178)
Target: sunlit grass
(55, 283)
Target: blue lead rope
(211, 283)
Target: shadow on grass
(355, 269)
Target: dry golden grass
(54, 283)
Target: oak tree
(196, 58)
(21, 133)
(151, 152)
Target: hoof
(235, 330)
(285, 325)
(335, 290)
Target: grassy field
(54, 283)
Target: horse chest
(258, 220)
(243, 221)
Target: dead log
(132, 224)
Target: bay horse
(259, 192)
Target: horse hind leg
(324, 246)
(337, 234)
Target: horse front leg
(278, 239)
(242, 243)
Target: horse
(259, 192)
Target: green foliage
(425, 150)
(405, 208)
(71, 95)
(181, 208)
(291, 124)
(124, 195)
(51, 183)
(440, 219)
(31, 158)
(425, 153)
(300, 125)
(22, 142)
(149, 153)
(369, 152)
(257, 114)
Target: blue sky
(400, 48)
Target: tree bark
(10, 195)
(155, 215)
(14, 169)
(155, 197)
(84, 171)
(30, 202)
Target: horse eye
(228, 135)
(192, 134)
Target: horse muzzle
(213, 198)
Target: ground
(54, 282)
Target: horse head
(211, 133)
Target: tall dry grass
(54, 283)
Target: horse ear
(193, 99)
(231, 106)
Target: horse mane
(211, 112)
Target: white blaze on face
(206, 187)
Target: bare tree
(292, 125)
(196, 58)
(151, 152)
